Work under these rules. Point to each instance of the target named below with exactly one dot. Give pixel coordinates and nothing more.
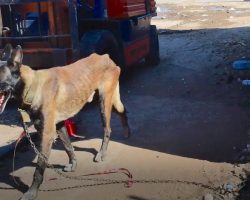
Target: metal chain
(217, 190)
(142, 181)
(102, 182)
(106, 181)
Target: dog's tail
(117, 100)
(121, 110)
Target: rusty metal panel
(45, 58)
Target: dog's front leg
(63, 135)
(48, 132)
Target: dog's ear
(16, 57)
(6, 53)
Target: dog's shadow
(11, 116)
(8, 174)
(24, 150)
(88, 150)
(25, 155)
(59, 146)
(26, 158)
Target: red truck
(58, 32)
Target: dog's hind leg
(121, 111)
(63, 135)
(48, 133)
(106, 107)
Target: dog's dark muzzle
(4, 87)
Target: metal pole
(39, 18)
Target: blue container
(99, 9)
(246, 82)
(241, 64)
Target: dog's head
(10, 62)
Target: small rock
(208, 196)
(230, 196)
(243, 176)
(236, 194)
(229, 187)
(222, 191)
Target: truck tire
(101, 42)
(153, 57)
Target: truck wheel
(154, 55)
(101, 42)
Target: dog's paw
(71, 167)
(100, 157)
(30, 195)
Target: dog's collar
(29, 92)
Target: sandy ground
(189, 118)
(202, 14)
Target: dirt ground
(190, 118)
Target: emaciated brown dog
(53, 95)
